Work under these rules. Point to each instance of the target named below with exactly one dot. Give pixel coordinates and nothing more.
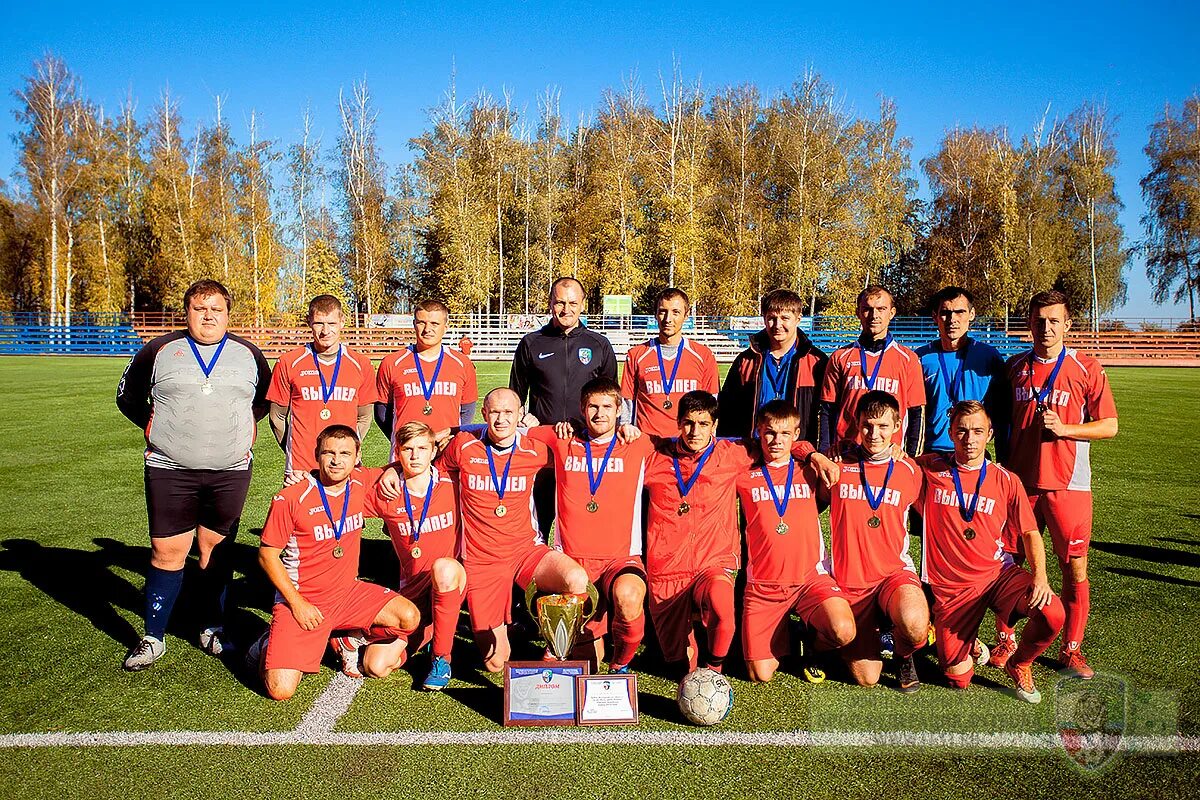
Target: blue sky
(944, 67)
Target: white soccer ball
(705, 697)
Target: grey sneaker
(144, 654)
(214, 642)
(906, 676)
(254, 652)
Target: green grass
(73, 552)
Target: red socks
(1077, 600)
(1041, 629)
(961, 681)
(446, 608)
(717, 614)
(627, 636)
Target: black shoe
(907, 676)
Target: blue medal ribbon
(501, 483)
(594, 479)
(686, 486)
(862, 361)
(210, 366)
(340, 525)
(427, 391)
(874, 501)
(780, 505)
(967, 514)
(414, 526)
(1048, 387)
(669, 386)
(777, 374)
(954, 385)
(327, 392)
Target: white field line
(330, 705)
(527, 736)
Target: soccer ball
(705, 697)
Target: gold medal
(427, 410)
(667, 404)
(338, 552)
(326, 413)
(206, 387)
(781, 528)
(684, 508)
(415, 552)
(969, 534)
(501, 510)
(593, 506)
(874, 522)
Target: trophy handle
(594, 596)
(530, 598)
(588, 612)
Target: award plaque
(606, 700)
(541, 692)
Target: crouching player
(310, 549)
(423, 525)
(599, 479)
(785, 571)
(970, 507)
(869, 543)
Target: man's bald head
(502, 412)
(501, 397)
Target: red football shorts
(1068, 515)
(765, 609)
(489, 585)
(956, 615)
(604, 573)
(870, 607)
(292, 647)
(673, 601)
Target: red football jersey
(707, 535)
(844, 384)
(614, 529)
(298, 524)
(400, 385)
(864, 555)
(438, 538)
(487, 537)
(948, 558)
(296, 385)
(646, 386)
(797, 555)
(1081, 394)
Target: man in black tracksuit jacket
(549, 369)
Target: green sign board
(618, 305)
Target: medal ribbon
(339, 526)
(776, 375)
(874, 501)
(686, 486)
(327, 393)
(427, 391)
(414, 526)
(780, 505)
(862, 361)
(500, 483)
(669, 386)
(1048, 387)
(959, 375)
(593, 479)
(968, 514)
(207, 368)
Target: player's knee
(493, 664)
(1054, 613)
(866, 674)
(842, 631)
(448, 575)
(576, 579)
(960, 680)
(280, 688)
(376, 664)
(628, 597)
(760, 672)
(409, 617)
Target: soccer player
(310, 551)
(423, 524)
(1061, 404)
(869, 544)
(780, 364)
(875, 362)
(549, 369)
(205, 390)
(785, 570)
(970, 507)
(500, 540)
(599, 480)
(957, 368)
(426, 381)
(320, 384)
(665, 368)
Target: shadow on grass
(1151, 576)
(1176, 540)
(1148, 552)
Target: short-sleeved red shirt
(399, 385)
(863, 555)
(797, 555)
(845, 383)
(643, 383)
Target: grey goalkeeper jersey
(163, 392)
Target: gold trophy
(561, 617)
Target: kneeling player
(869, 539)
(785, 572)
(969, 506)
(310, 549)
(500, 540)
(423, 524)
